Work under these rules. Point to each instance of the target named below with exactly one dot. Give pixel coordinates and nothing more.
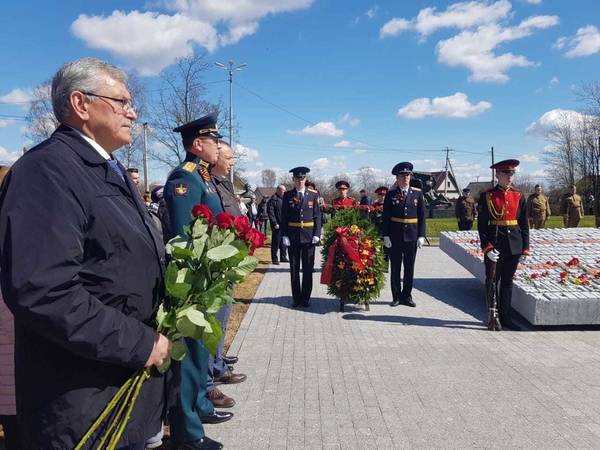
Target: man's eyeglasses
(126, 105)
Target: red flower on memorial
(241, 224)
(255, 238)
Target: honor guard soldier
(189, 184)
(504, 234)
(466, 210)
(571, 207)
(342, 199)
(403, 231)
(538, 209)
(301, 231)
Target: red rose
(224, 220)
(241, 224)
(203, 211)
(255, 238)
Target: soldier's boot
(504, 310)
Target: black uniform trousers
(465, 225)
(277, 246)
(402, 253)
(505, 269)
(301, 290)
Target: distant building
(477, 187)
(261, 192)
(443, 184)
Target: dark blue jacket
(403, 216)
(82, 266)
(294, 211)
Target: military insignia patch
(181, 189)
(416, 201)
(189, 166)
(205, 174)
(310, 204)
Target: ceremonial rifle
(492, 292)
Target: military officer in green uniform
(189, 184)
(571, 207)
(466, 210)
(538, 209)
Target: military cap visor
(310, 184)
(300, 171)
(507, 165)
(204, 127)
(342, 185)
(403, 167)
(381, 190)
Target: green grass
(436, 226)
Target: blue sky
(334, 85)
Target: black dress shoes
(205, 443)
(408, 301)
(305, 304)
(510, 325)
(230, 359)
(275, 263)
(216, 417)
(395, 303)
(295, 304)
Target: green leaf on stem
(171, 275)
(189, 329)
(165, 365)
(246, 266)
(199, 246)
(229, 237)
(233, 276)
(221, 253)
(199, 228)
(198, 318)
(177, 351)
(161, 314)
(211, 340)
(176, 242)
(182, 253)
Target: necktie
(300, 195)
(114, 166)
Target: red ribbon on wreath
(345, 246)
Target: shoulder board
(311, 190)
(514, 189)
(416, 189)
(204, 163)
(189, 166)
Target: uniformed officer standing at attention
(403, 231)
(189, 184)
(301, 231)
(504, 234)
(342, 199)
(538, 209)
(571, 207)
(466, 210)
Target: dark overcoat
(296, 213)
(82, 267)
(403, 217)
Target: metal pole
(231, 175)
(492, 165)
(146, 176)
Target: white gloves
(285, 241)
(315, 239)
(387, 242)
(523, 259)
(494, 255)
(420, 242)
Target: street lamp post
(231, 69)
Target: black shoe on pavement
(285, 260)
(395, 303)
(295, 304)
(275, 263)
(230, 359)
(408, 301)
(216, 417)
(205, 443)
(510, 325)
(305, 304)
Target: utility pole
(231, 69)
(492, 165)
(446, 176)
(146, 176)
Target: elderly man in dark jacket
(82, 267)
(274, 212)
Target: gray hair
(81, 75)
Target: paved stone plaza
(430, 377)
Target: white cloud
(347, 118)
(424, 162)
(453, 106)
(320, 129)
(327, 164)
(534, 2)
(550, 119)
(360, 151)
(7, 157)
(5, 123)
(529, 159)
(475, 50)
(342, 144)
(542, 173)
(340, 158)
(553, 81)
(371, 12)
(585, 43)
(459, 15)
(18, 96)
(175, 35)
(247, 153)
(259, 164)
